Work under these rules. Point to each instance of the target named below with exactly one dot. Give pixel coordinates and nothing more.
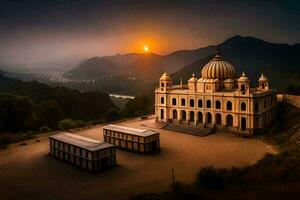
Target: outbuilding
(132, 139)
(83, 152)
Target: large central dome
(218, 68)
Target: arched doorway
(208, 118)
(229, 120)
(183, 115)
(243, 124)
(200, 117)
(218, 118)
(192, 116)
(175, 114)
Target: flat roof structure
(129, 130)
(80, 141)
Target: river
(122, 96)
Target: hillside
(279, 62)
(73, 104)
(146, 66)
(89, 70)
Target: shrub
(45, 129)
(211, 178)
(80, 123)
(67, 124)
(111, 115)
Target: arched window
(229, 120)
(243, 106)
(263, 85)
(208, 118)
(218, 118)
(256, 107)
(200, 117)
(200, 103)
(183, 115)
(192, 103)
(218, 104)
(174, 114)
(243, 87)
(208, 104)
(229, 105)
(183, 102)
(162, 84)
(162, 100)
(192, 116)
(174, 102)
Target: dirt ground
(26, 172)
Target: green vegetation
(273, 177)
(69, 124)
(30, 107)
(140, 105)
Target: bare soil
(27, 172)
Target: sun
(146, 48)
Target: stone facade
(218, 99)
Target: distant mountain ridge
(144, 66)
(280, 62)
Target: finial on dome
(263, 78)
(193, 75)
(243, 78)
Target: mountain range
(280, 62)
(145, 66)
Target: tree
(67, 124)
(140, 105)
(49, 113)
(112, 115)
(17, 113)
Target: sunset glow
(146, 48)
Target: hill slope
(279, 62)
(74, 104)
(146, 66)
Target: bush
(67, 124)
(80, 123)
(211, 178)
(111, 115)
(45, 129)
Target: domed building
(218, 99)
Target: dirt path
(27, 173)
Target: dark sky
(55, 30)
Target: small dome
(218, 68)
(243, 78)
(262, 78)
(229, 81)
(165, 77)
(193, 79)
